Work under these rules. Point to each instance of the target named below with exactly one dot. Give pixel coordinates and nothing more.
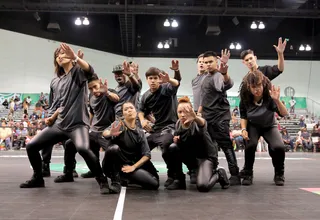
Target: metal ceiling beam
(158, 10)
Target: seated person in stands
(306, 140)
(192, 141)
(129, 155)
(237, 138)
(315, 136)
(5, 134)
(5, 103)
(235, 111)
(287, 140)
(302, 123)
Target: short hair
(93, 77)
(153, 71)
(200, 56)
(209, 54)
(184, 99)
(244, 53)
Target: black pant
(146, 176)
(52, 135)
(275, 144)
(46, 154)
(163, 139)
(219, 132)
(95, 142)
(206, 177)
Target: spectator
(29, 100)
(5, 103)
(306, 140)
(302, 123)
(287, 140)
(292, 103)
(236, 111)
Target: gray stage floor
(81, 200)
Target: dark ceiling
(134, 27)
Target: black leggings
(52, 135)
(46, 153)
(146, 176)
(275, 144)
(163, 139)
(206, 178)
(95, 141)
(220, 133)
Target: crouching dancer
(192, 140)
(129, 154)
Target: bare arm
(112, 96)
(281, 62)
(200, 121)
(174, 82)
(243, 123)
(281, 107)
(141, 162)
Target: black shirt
(54, 99)
(259, 116)
(133, 144)
(102, 109)
(73, 95)
(214, 102)
(271, 72)
(163, 104)
(196, 140)
(127, 92)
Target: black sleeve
(145, 149)
(177, 75)
(168, 89)
(271, 72)
(142, 107)
(83, 75)
(243, 110)
(273, 107)
(133, 88)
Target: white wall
(27, 67)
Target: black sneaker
(168, 182)
(177, 184)
(115, 188)
(247, 180)
(223, 178)
(193, 177)
(64, 179)
(279, 180)
(242, 173)
(34, 182)
(104, 186)
(234, 180)
(88, 174)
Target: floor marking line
(120, 205)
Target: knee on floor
(203, 187)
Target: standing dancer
(197, 81)
(215, 109)
(129, 152)
(161, 101)
(192, 141)
(259, 101)
(73, 121)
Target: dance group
(128, 127)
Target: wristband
(131, 75)
(76, 60)
(243, 129)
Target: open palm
(275, 92)
(281, 45)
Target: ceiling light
(166, 23)
(253, 25)
(231, 46)
(301, 48)
(174, 24)
(261, 25)
(160, 45)
(166, 45)
(86, 21)
(308, 48)
(238, 46)
(78, 21)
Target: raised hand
(80, 54)
(190, 114)
(49, 121)
(126, 68)
(223, 68)
(103, 86)
(176, 139)
(135, 68)
(128, 169)
(164, 77)
(275, 92)
(174, 65)
(281, 45)
(68, 52)
(114, 130)
(225, 55)
(146, 125)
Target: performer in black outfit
(259, 101)
(192, 140)
(161, 101)
(73, 120)
(271, 72)
(215, 109)
(101, 104)
(129, 152)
